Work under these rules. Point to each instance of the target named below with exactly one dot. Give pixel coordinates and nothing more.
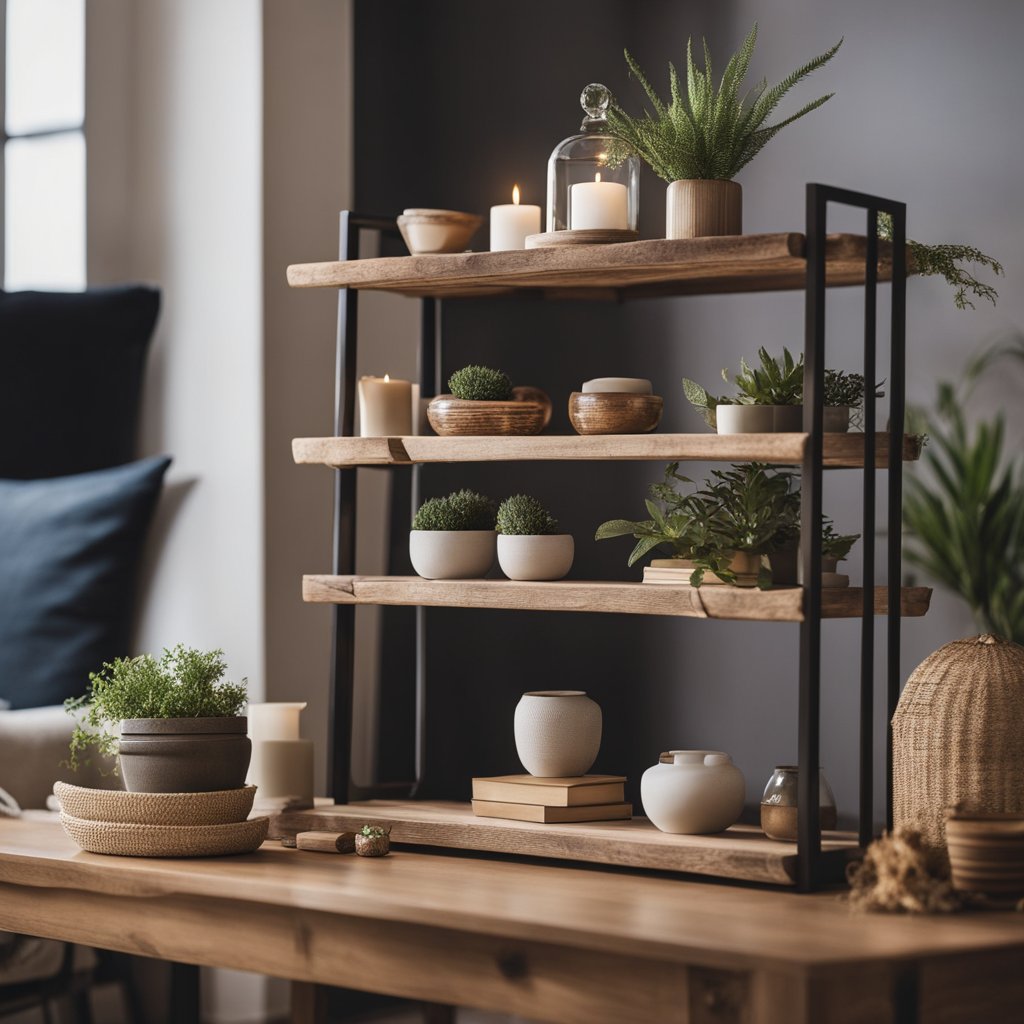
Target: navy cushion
(71, 366)
(69, 554)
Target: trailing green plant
(480, 384)
(461, 510)
(181, 683)
(524, 516)
(965, 516)
(945, 261)
(835, 545)
(708, 131)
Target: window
(42, 117)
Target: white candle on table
(618, 385)
(511, 223)
(286, 771)
(385, 407)
(598, 204)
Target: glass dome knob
(595, 99)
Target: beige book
(551, 815)
(561, 792)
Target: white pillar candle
(276, 720)
(619, 385)
(598, 204)
(511, 223)
(286, 771)
(385, 407)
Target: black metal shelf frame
(811, 862)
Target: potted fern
(702, 137)
(453, 538)
(529, 544)
(172, 722)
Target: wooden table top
(617, 912)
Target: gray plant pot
(183, 755)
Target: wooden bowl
(529, 412)
(432, 231)
(614, 412)
(986, 852)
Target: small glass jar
(779, 804)
(578, 167)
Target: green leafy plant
(461, 510)
(524, 516)
(374, 832)
(480, 384)
(945, 261)
(965, 514)
(182, 683)
(707, 132)
(835, 545)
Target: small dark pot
(783, 563)
(183, 755)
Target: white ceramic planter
(558, 732)
(452, 554)
(698, 207)
(744, 419)
(542, 557)
(698, 792)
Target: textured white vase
(540, 557)
(558, 732)
(699, 792)
(452, 554)
(698, 207)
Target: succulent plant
(461, 510)
(480, 384)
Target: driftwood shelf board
(693, 266)
(779, 604)
(741, 852)
(842, 451)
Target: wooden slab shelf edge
(742, 852)
(779, 604)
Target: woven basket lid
(220, 807)
(958, 734)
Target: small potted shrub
(180, 725)
(453, 538)
(529, 544)
(844, 400)
(373, 841)
(834, 548)
(483, 402)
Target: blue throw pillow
(69, 555)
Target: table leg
(184, 994)
(309, 1003)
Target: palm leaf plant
(708, 131)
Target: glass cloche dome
(609, 196)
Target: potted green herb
(181, 730)
(484, 402)
(453, 538)
(703, 136)
(373, 841)
(529, 544)
(834, 548)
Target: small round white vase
(452, 554)
(558, 732)
(540, 557)
(744, 419)
(698, 792)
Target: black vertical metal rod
(808, 740)
(897, 412)
(867, 624)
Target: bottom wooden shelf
(742, 852)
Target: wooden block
(326, 842)
(567, 792)
(552, 815)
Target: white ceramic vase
(744, 419)
(540, 557)
(452, 554)
(694, 793)
(698, 207)
(558, 732)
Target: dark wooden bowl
(529, 412)
(614, 412)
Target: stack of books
(528, 798)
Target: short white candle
(598, 204)
(276, 720)
(511, 223)
(619, 385)
(385, 407)
(286, 771)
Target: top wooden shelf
(693, 266)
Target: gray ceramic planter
(183, 755)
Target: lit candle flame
(515, 194)
(387, 377)
(597, 177)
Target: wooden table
(547, 941)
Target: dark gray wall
(456, 100)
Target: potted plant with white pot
(530, 546)
(453, 538)
(704, 135)
(172, 722)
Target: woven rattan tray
(109, 805)
(166, 840)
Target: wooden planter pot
(699, 207)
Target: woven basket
(218, 808)
(958, 735)
(166, 840)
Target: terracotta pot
(547, 557)
(558, 732)
(747, 567)
(183, 755)
(452, 554)
(696, 792)
(698, 207)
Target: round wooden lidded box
(958, 735)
